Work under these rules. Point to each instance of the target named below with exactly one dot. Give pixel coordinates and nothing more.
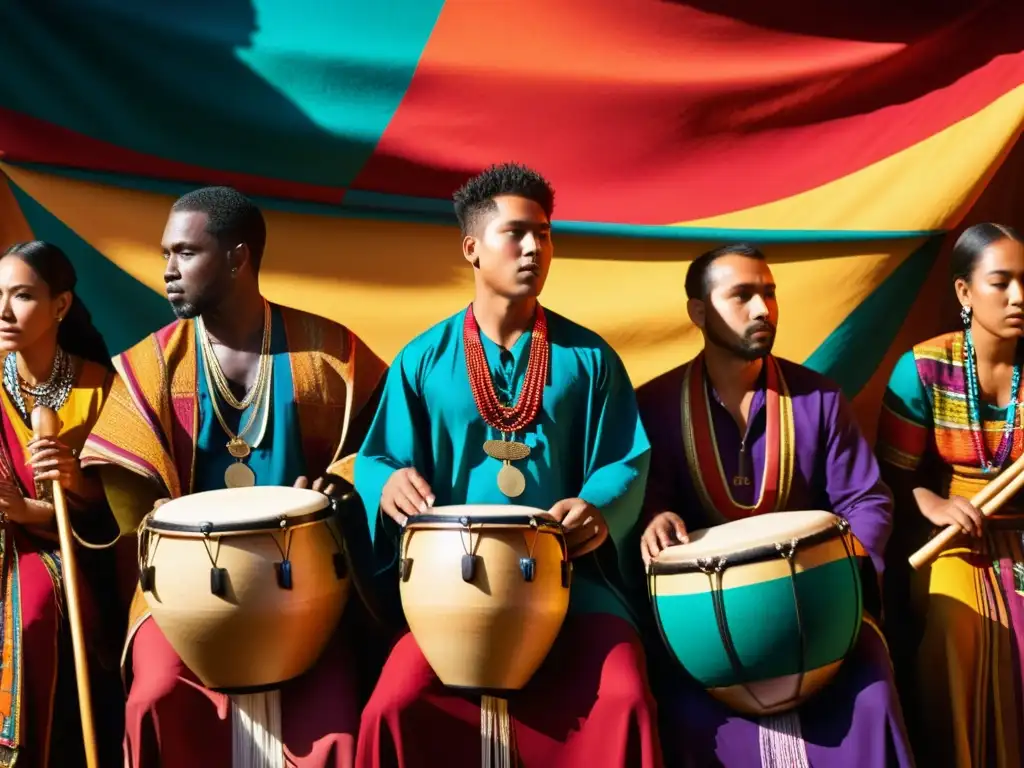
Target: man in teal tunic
(506, 369)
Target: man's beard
(744, 347)
(187, 310)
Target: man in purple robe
(732, 404)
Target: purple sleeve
(852, 480)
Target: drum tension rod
(218, 576)
(469, 560)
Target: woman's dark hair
(973, 242)
(76, 333)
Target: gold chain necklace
(223, 386)
(238, 474)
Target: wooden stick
(46, 423)
(988, 500)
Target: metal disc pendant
(511, 481)
(238, 448)
(239, 476)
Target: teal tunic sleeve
(617, 451)
(393, 442)
(906, 395)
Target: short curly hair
(474, 200)
(231, 217)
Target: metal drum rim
(756, 554)
(462, 522)
(259, 525)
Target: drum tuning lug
(464, 521)
(528, 566)
(340, 565)
(566, 574)
(284, 574)
(206, 528)
(788, 549)
(283, 522)
(404, 568)
(218, 581)
(469, 567)
(147, 576)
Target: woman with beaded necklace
(52, 355)
(950, 424)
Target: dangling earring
(234, 270)
(965, 316)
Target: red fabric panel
(27, 139)
(658, 112)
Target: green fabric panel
(763, 624)
(123, 309)
(852, 352)
(289, 89)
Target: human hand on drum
(665, 530)
(320, 484)
(405, 493)
(584, 525)
(956, 510)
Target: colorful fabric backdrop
(851, 142)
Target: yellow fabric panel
(389, 281)
(925, 187)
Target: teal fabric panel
(288, 89)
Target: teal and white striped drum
(761, 611)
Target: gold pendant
(506, 450)
(239, 476)
(511, 481)
(238, 448)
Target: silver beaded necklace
(52, 393)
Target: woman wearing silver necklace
(52, 355)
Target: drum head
(482, 514)
(241, 509)
(750, 533)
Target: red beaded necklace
(503, 418)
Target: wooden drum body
(247, 584)
(761, 611)
(485, 590)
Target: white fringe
(256, 730)
(781, 741)
(497, 747)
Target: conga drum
(761, 611)
(485, 590)
(248, 585)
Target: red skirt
(588, 705)
(172, 721)
(40, 622)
